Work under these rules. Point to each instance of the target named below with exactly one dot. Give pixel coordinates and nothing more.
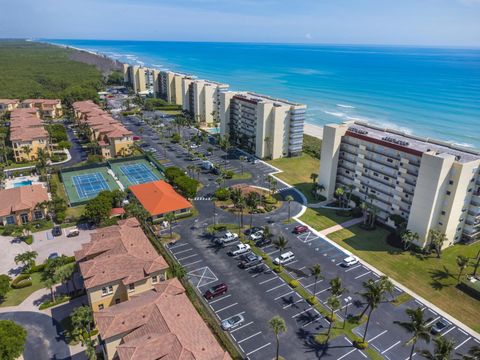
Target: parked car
(257, 236)
(349, 261)
(284, 258)
(232, 322)
(263, 242)
(227, 238)
(253, 230)
(57, 230)
(215, 291)
(53, 256)
(215, 171)
(250, 260)
(439, 326)
(73, 232)
(300, 229)
(240, 249)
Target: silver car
(232, 322)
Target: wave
(463, 144)
(345, 106)
(336, 114)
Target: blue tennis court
(89, 185)
(138, 173)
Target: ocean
(431, 92)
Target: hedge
(21, 281)
(59, 300)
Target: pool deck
(10, 182)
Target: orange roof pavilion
(159, 198)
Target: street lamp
(348, 301)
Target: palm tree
(340, 193)
(408, 237)
(242, 160)
(269, 179)
(27, 259)
(476, 264)
(316, 272)
(289, 199)
(273, 188)
(252, 201)
(373, 296)
(387, 285)
(27, 150)
(170, 218)
(267, 234)
(473, 354)
(336, 288)
(314, 177)
(267, 143)
(281, 243)
(462, 263)
(277, 324)
(443, 349)
(417, 326)
(334, 303)
(437, 239)
(50, 284)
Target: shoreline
(313, 130)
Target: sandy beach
(313, 130)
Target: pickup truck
(240, 249)
(227, 238)
(250, 260)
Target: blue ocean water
(432, 92)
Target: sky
(396, 22)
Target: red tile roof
(21, 198)
(119, 252)
(159, 197)
(159, 324)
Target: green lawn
(432, 278)
(321, 219)
(297, 171)
(76, 211)
(16, 296)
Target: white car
(349, 261)
(284, 258)
(232, 322)
(227, 238)
(240, 249)
(257, 235)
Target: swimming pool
(22, 183)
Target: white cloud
(308, 36)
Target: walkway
(341, 226)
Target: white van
(284, 258)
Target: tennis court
(133, 172)
(89, 185)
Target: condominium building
(168, 86)
(138, 77)
(27, 134)
(48, 108)
(117, 263)
(110, 135)
(264, 126)
(22, 204)
(429, 183)
(7, 105)
(201, 99)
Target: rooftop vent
(395, 141)
(358, 131)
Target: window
(376, 174)
(131, 287)
(450, 182)
(11, 220)
(386, 178)
(100, 307)
(448, 193)
(154, 279)
(107, 290)
(390, 160)
(470, 190)
(443, 212)
(117, 301)
(24, 218)
(440, 223)
(38, 214)
(348, 172)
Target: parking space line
(287, 306)
(300, 313)
(183, 251)
(312, 284)
(348, 353)
(321, 291)
(383, 332)
(391, 347)
(249, 337)
(446, 332)
(353, 268)
(223, 298)
(459, 345)
(241, 327)
(272, 252)
(257, 349)
(268, 280)
(318, 317)
(288, 293)
(225, 308)
(359, 276)
(276, 287)
(463, 332)
(431, 322)
(195, 262)
(187, 257)
(177, 246)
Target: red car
(300, 229)
(215, 291)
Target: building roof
(25, 125)
(159, 324)
(159, 197)
(28, 134)
(21, 198)
(42, 101)
(9, 101)
(119, 252)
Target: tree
(417, 326)
(462, 263)
(336, 288)
(443, 349)
(27, 150)
(289, 199)
(373, 296)
(387, 285)
(4, 286)
(252, 200)
(267, 233)
(314, 177)
(408, 237)
(82, 320)
(64, 274)
(476, 264)
(50, 283)
(12, 340)
(170, 218)
(340, 193)
(242, 159)
(98, 209)
(334, 303)
(316, 272)
(178, 270)
(437, 238)
(281, 243)
(27, 259)
(473, 353)
(277, 324)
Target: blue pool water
(433, 92)
(22, 183)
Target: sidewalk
(341, 226)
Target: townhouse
(429, 183)
(23, 204)
(48, 108)
(110, 135)
(264, 126)
(7, 105)
(158, 324)
(117, 263)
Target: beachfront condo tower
(264, 126)
(429, 183)
(168, 86)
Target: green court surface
(133, 172)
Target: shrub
(58, 300)
(278, 269)
(28, 239)
(330, 318)
(21, 281)
(312, 300)
(264, 256)
(320, 339)
(294, 283)
(270, 200)
(8, 230)
(37, 268)
(359, 344)
(222, 194)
